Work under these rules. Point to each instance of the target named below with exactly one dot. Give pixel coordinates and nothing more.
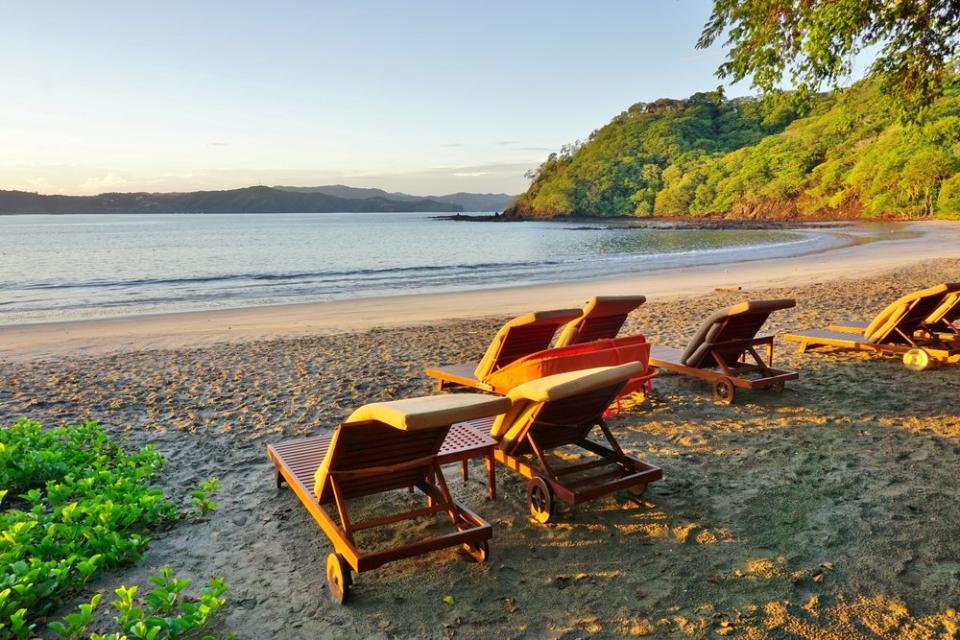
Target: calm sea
(84, 266)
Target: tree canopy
(706, 155)
(812, 42)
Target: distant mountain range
(466, 201)
(257, 199)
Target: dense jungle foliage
(851, 156)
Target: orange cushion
(601, 353)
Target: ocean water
(87, 266)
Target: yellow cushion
(428, 412)
(564, 385)
(555, 317)
(887, 319)
(511, 425)
(599, 307)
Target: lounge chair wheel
(777, 387)
(479, 551)
(540, 498)
(637, 490)
(723, 391)
(917, 360)
(338, 577)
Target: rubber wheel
(637, 490)
(540, 499)
(723, 391)
(917, 360)
(777, 387)
(479, 551)
(338, 578)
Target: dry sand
(831, 510)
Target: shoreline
(678, 222)
(933, 240)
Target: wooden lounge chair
(723, 351)
(563, 410)
(602, 317)
(938, 325)
(383, 447)
(898, 330)
(521, 336)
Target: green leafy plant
(201, 497)
(75, 625)
(73, 502)
(164, 613)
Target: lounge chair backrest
(949, 310)
(602, 317)
(739, 322)
(380, 441)
(905, 316)
(371, 444)
(561, 407)
(521, 336)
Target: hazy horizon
(271, 186)
(427, 99)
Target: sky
(415, 96)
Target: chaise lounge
(900, 329)
(945, 300)
(562, 410)
(520, 350)
(723, 351)
(383, 447)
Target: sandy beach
(830, 511)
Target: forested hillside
(850, 157)
(246, 200)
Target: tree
(813, 42)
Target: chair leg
(465, 469)
(491, 477)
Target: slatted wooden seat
(900, 329)
(723, 351)
(563, 410)
(379, 449)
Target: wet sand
(831, 510)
